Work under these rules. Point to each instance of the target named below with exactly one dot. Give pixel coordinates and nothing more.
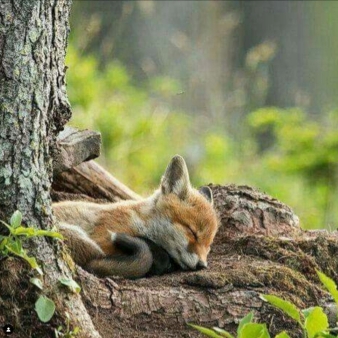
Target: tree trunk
(34, 107)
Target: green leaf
(72, 285)
(245, 320)
(287, 307)
(254, 330)
(16, 247)
(204, 330)
(19, 231)
(3, 243)
(37, 282)
(45, 308)
(282, 335)
(33, 263)
(49, 233)
(329, 284)
(16, 219)
(324, 335)
(316, 322)
(307, 311)
(223, 333)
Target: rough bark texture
(90, 180)
(33, 109)
(259, 249)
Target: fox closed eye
(193, 233)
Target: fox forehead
(196, 213)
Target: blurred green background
(246, 91)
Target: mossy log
(259, 249)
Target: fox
(123, 238)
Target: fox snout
(201, 265)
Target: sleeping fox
(105, 238)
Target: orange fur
(176, 217)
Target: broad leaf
(287, 307)
(16, 219)
(329, 284)
(45, 308)
(72, 285)
(245, 320)
(307, 311)
(253, 330)
(37, 282)
(316, 322)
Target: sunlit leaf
(245, 320)
(37, 282)
(254, 330)
(316, 322)
(287, 307)
(329, 284)
(282, 335)
(71, 284)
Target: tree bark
(34, 107)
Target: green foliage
(12, 244)
(297, 141)
(67, 333)
(246, 329)
(306, 151)
(71, 284)
(330, 285)
(139, 133)
(37, 282)
(44, 308)
(313, 321)
(290, 309)
(282, 335)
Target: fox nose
(201, 265)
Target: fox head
(186, 220)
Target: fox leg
(82, 248)
(134, 261)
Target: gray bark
(33, 109)
(76, 146)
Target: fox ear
(176, 178)
(207, 193)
